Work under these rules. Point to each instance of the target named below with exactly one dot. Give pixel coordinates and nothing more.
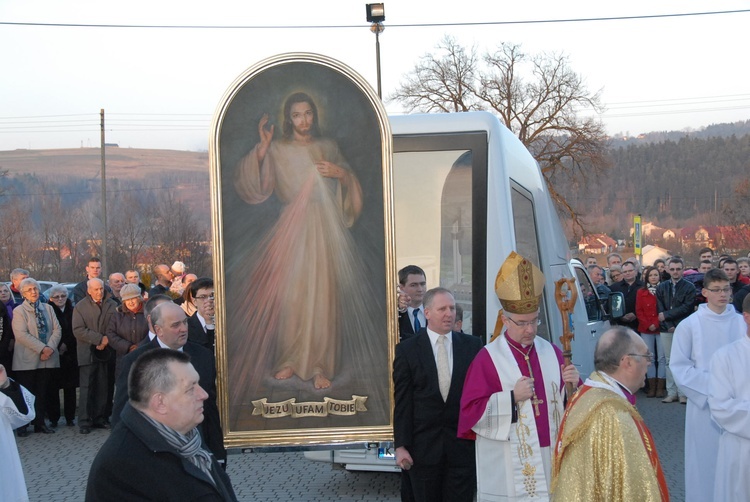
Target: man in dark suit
(201, 327)
(412, 286)
(428, 374)
(170, 325)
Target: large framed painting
(303, 256)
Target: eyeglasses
(205, 297)
(672, 269)
(648, 356)
(524, 324)
(726, 290)
(59, 297)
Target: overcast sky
(160, 86)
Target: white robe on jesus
(696, 339)
(729, 402)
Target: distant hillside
(75, 176)
(738, 129)
(121, 163)
(672, 178)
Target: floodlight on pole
(376, 16)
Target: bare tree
(538, 97)
(442, 82)
(736, 211)
(18, 241)
(180, 236)
(129, 232)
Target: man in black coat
(170, 325)
(412, 286)
(629, 287)
(675, 300)
(201, 327)
(155, 452)
(428, 374)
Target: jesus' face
(302, 117)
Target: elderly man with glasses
(513, 398)
(696, 339)
(604, 450)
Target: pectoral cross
(536, 402)
(526, 355)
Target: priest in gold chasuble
(604, 451)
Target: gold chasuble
(604, 451)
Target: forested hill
(738, 129)
(674, 181)
(668, 182)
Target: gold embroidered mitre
(519, 285)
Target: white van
(467, 193)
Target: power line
(360, 26)
(740, 96)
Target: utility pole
(104, 200)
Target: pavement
(56, 466)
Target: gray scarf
(188, 446)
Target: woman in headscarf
(35, 357)
(68, 374)
(128, 326)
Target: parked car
(43, 286)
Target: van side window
(527, 242)
(590, 299)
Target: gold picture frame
(304, 256)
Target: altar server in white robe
(714, 325)
(16, 410)
(729, 402)
(513, 396)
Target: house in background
(596, 244)
(701, 236)
(653, 253)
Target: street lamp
(376, 16)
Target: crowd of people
(64, 340)
(511, 420)
(87, 339)
(660, 296)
